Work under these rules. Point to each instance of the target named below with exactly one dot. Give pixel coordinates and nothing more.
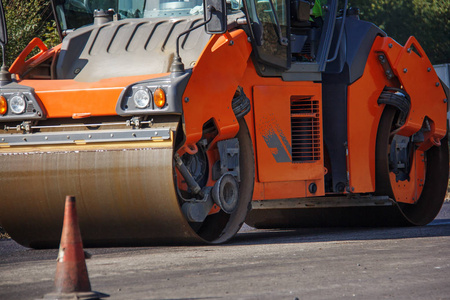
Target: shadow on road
(440, 227)
(10, 251)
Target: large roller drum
(125, 193)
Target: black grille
(305, 128)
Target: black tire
(436, 176)
(221, 227)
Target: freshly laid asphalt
(325, 263)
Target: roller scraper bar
(84, 137)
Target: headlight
(141, 98)
(17, 104)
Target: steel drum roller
(125, 194)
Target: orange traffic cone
(71, 279)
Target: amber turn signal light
(159, 97)
(3, 105)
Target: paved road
(337, 263)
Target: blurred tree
(26, 20)
(427, 20)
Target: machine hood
(129, 47)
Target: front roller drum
(126, 195)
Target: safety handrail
(341, 32)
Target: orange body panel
(212, 85)
(407, 191)
(286, 190)
(363, 116)
(72, 99)
(420, 81)
(273, 133)
(270, 97)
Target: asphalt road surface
(327, 263)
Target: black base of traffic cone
(76, 296)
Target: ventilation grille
(305, 128)
(306, 50)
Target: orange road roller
(174, 122)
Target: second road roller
(174, 122)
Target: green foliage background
(427, 20)
(26, 20)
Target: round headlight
(17, 104)
(141, 98)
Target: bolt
(312, 188)
(3, 139)
(68, 137)
(353, 189)
(186, 100)
(134, 134)
(389, 74)
(249, 39)
(231, 43)
(390, 45)
(382, 58)
(25, 139)
(445, 100)
(405, 70)
(409, 50)
(112, 134)
(46, 138)
(437, 84)
(90, 136)
(429, 69)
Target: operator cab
(306, 27)
(291, 39)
